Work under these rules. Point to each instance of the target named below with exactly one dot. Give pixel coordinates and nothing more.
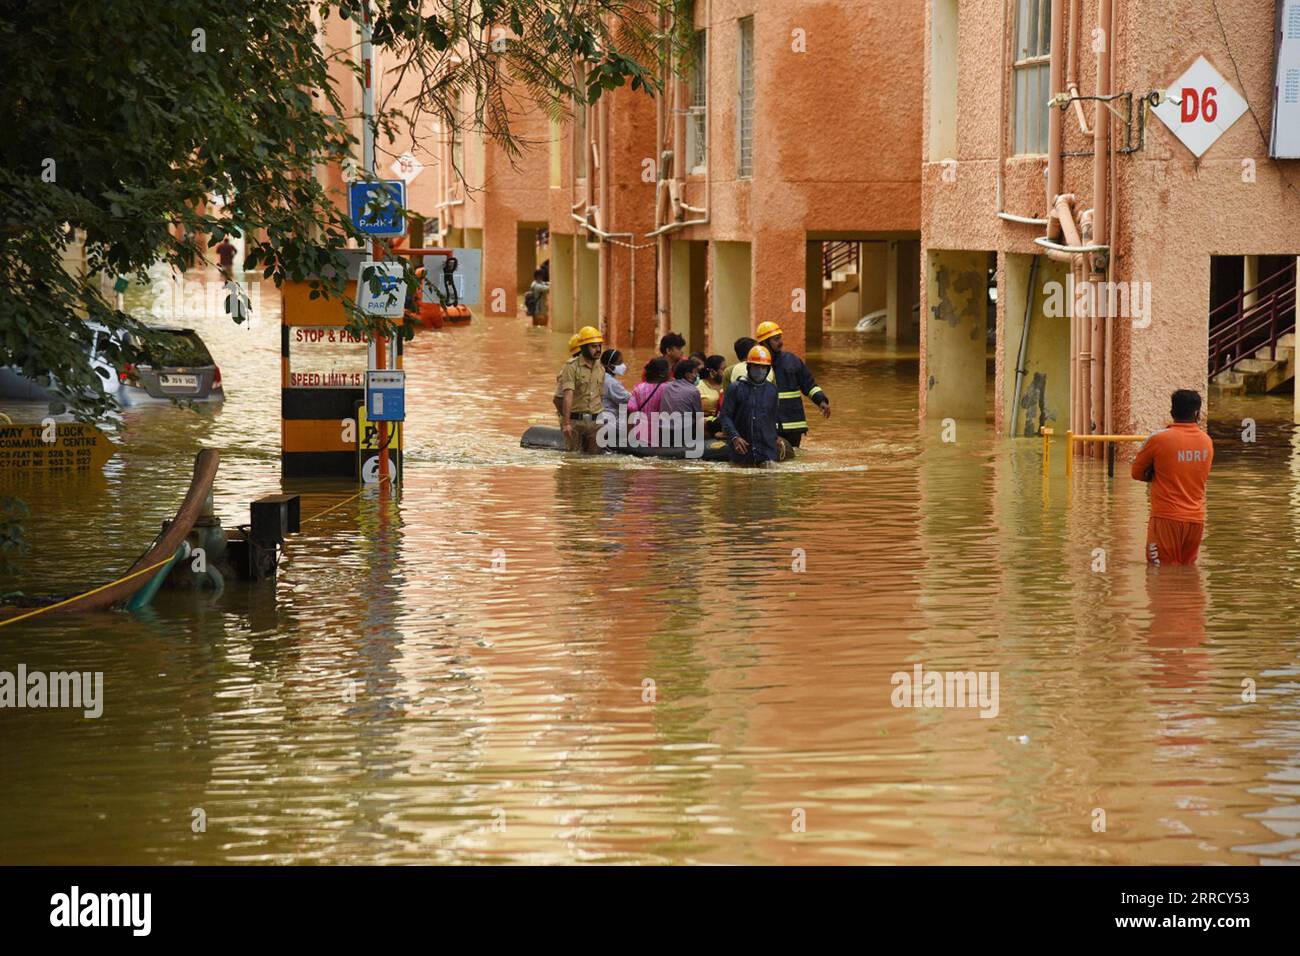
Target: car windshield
(179, 348)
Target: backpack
(530, 302)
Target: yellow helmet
(766, 330)
(589, 336)
(759, 356)
(573, 344)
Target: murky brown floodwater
(502, 714)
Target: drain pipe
(1100, 217)
(573, 192)
(1024, 344)
(603, 214)
(1112, 238)
(1072, 74)
(663, 278)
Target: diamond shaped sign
(1200, 106)
(406, 167)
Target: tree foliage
(127, 117)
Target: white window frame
(1031, 76)
(745, 96)
(697, 111)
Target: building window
(745, 100)
(1031, 75)
(697, 119)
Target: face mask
(758, 373)
(620, 370)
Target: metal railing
(1238, 330)
(839, 255)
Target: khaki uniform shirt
(559, 387)
(587, 382)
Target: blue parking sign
(375, 207)
(386, 395)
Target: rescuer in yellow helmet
(793, 381)
(574, 347)
(582, 381)
(748, 413)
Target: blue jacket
(749, 410)
(793, 380)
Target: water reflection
(526, 656)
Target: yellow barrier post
(1069, 453)
(1047, 434)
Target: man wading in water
(1176, 460)
(748, 415)
(582, 383)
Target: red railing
(839, 255)
(1238, 330)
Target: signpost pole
(379, 356)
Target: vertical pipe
(379, 353)
(663, 264)
(1055, 72)
(1101, 214)
(574, 146)
(1112, 242)
(1024, 344)
(606, 222)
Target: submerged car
(183, 369)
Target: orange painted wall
(1173, 210)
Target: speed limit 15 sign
(1200, 106)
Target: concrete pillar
(903, 278)
(891, 292)
(500, 237)
(525, 257)
(909, 325)
(956, 331)
(587, 311)
(813, 331)
(873, 277)
(1249, 279)
(679, 285)
(1044, 398)
(562, 283)
(689, 261)
(730, 294)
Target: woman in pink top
(646, 398)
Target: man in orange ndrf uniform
(1176, 460)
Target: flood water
(501, 617)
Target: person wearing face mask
(710, 384)
(583, 381)
(749, 411)
(793, 380)
(613, 394)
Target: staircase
(839, 269)
(1252, 346)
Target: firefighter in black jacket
(793, 381)
(748, 413)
